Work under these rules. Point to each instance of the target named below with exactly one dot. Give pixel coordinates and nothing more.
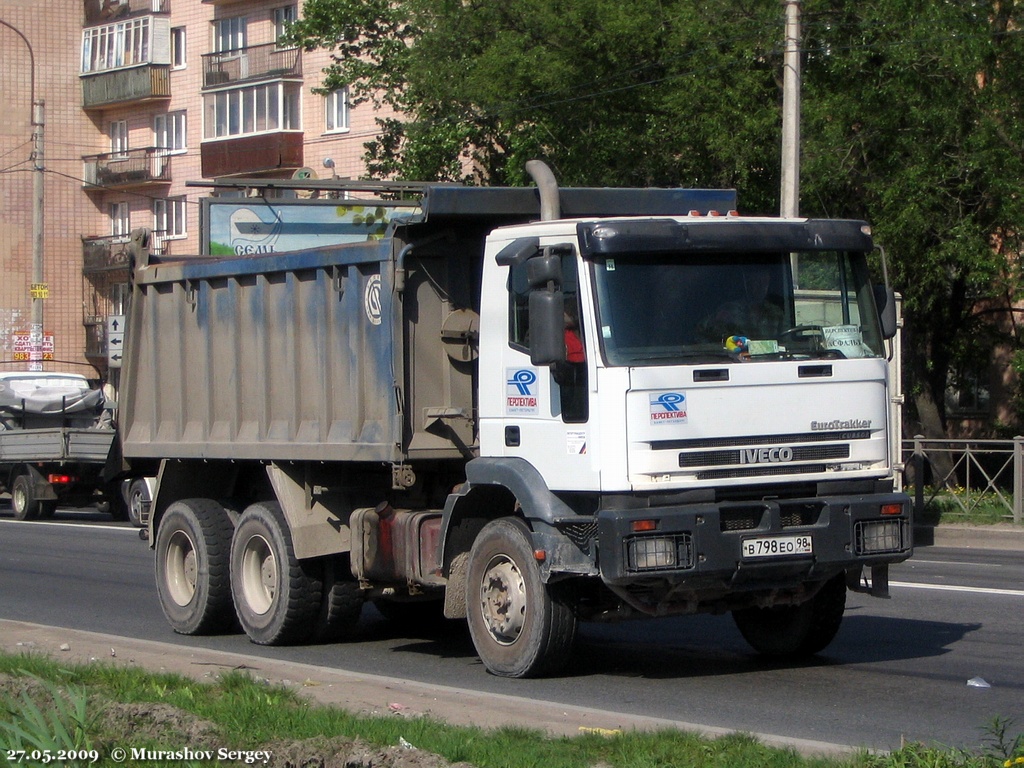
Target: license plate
(778, 546)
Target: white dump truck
(528, 407)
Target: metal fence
(966, 477)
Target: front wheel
(521, 627)
(795, 631)
(193, 545)
(277, 596)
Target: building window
(169, 218)
(128, 43)
(229, 34)
(257, 109)
(282, 18)
(119, 140)
(120, 223)
(178, 47)
(336, 110)
(169, 132)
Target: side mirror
(547, 327)
(885, 300)
(544, 269)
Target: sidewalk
(1003, 536)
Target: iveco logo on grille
(765, 455)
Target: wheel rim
(135, 504)
(182, 571)
(19, 500)
(503, 600)
(259, 575)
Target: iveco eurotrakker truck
(398, 421)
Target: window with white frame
(120, 223)
(128, 43)
(169, 132)
(229, 34)
(282, 18)
(336, 110)
(169, 218)
(178, 39)
(118, 139)
(256, 109)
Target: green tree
(913, 120)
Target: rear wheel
(193, 550)
(277, 596)
(521, 627)
(23, 499)
(341, 602)
(795, 631)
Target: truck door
(546, 410)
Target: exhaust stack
(550, 207)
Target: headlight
(877, 536)
(659, 553)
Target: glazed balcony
(247, 155)
(256, 62)
(130, 169)
(104, 11)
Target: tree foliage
(913, 118)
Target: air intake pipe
(550, 207)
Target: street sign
(115, 340)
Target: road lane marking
(955, 588)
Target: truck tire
(138, 497)
(277, 597)
(795, 631)
(23, 499)
(521, 627)
(341, 602)
(193, 550)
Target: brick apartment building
(141, 96)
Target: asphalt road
(898, 670)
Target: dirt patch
(323, 752)
(164, 726)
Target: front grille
(740, 440)
(797, 515)
(726, 458)
(741, 519)
(761, 471)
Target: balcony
(103, 11)
(130, 169)
(246, 155)
(257, 62)
(122, 86)
(106, 254)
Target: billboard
(250, 225)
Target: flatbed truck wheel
(521, 627)
(277, 596)
(23, 499)
(193, 552)
(795, 631)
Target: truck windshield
(661, 309)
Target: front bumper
(752, 545)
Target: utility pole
(37, 290)
(791, 113)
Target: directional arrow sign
(115, 340)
